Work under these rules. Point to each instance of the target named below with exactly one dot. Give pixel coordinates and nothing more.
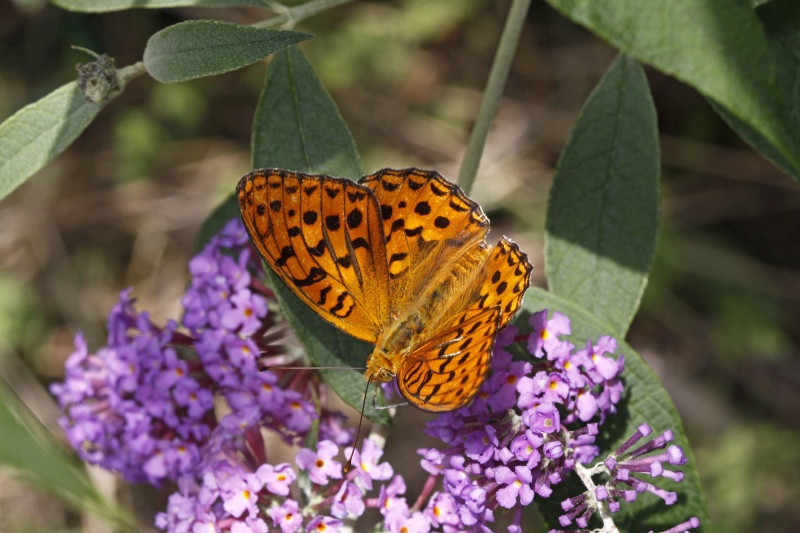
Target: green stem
(292, 15)
(494, 89)
(126, 74)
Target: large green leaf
(644, 400)
(200, 48)
(721, 48)
(101, 6)
(602, 216)
(38, 132)
(297, 126)
(31, 451)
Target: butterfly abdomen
(448, 289)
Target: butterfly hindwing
(446, 372)
(323, 237)
(507, 275)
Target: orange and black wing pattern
(446, 372)
(323, 237)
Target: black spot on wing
(422, 208)
(332, 222)
(310, 218)
(354, 218)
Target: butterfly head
(380, 366)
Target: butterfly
(398, 259)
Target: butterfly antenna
(358, 431)
(315, 368)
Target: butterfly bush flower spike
(507, 454)
(143, 405)
(627, 469)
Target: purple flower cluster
(134, 406)
(241, 496)
(625, 468)
(143, 404)
(586, 382)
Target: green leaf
(200, 48)
(29, 449)
(782, 21)
(602, 217)
(719, 47)
(644, 400)
(326, 346)
(38, 132)
(297, 126)
(102, 6)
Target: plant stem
(292, 15)
(494, 89)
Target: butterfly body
(398, 259)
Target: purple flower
(389, 503)
(297, 413)
(276, 479)
(415, 522)
(245, 313)
(517, 485)
(526, 448)
(348, 501)
(481, 445)
(287, 516)
(512, 442)
(324, 524)
(544, 341)
(366, 464)
(442, 510)
(626, 468)
(238, 492)
(320, 464)
(545, 419)
(115, 417)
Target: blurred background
(719, 320)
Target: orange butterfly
(399, 260)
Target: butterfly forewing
(446, 372)
(426, 219)
(323, 237)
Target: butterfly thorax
(449, 288)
